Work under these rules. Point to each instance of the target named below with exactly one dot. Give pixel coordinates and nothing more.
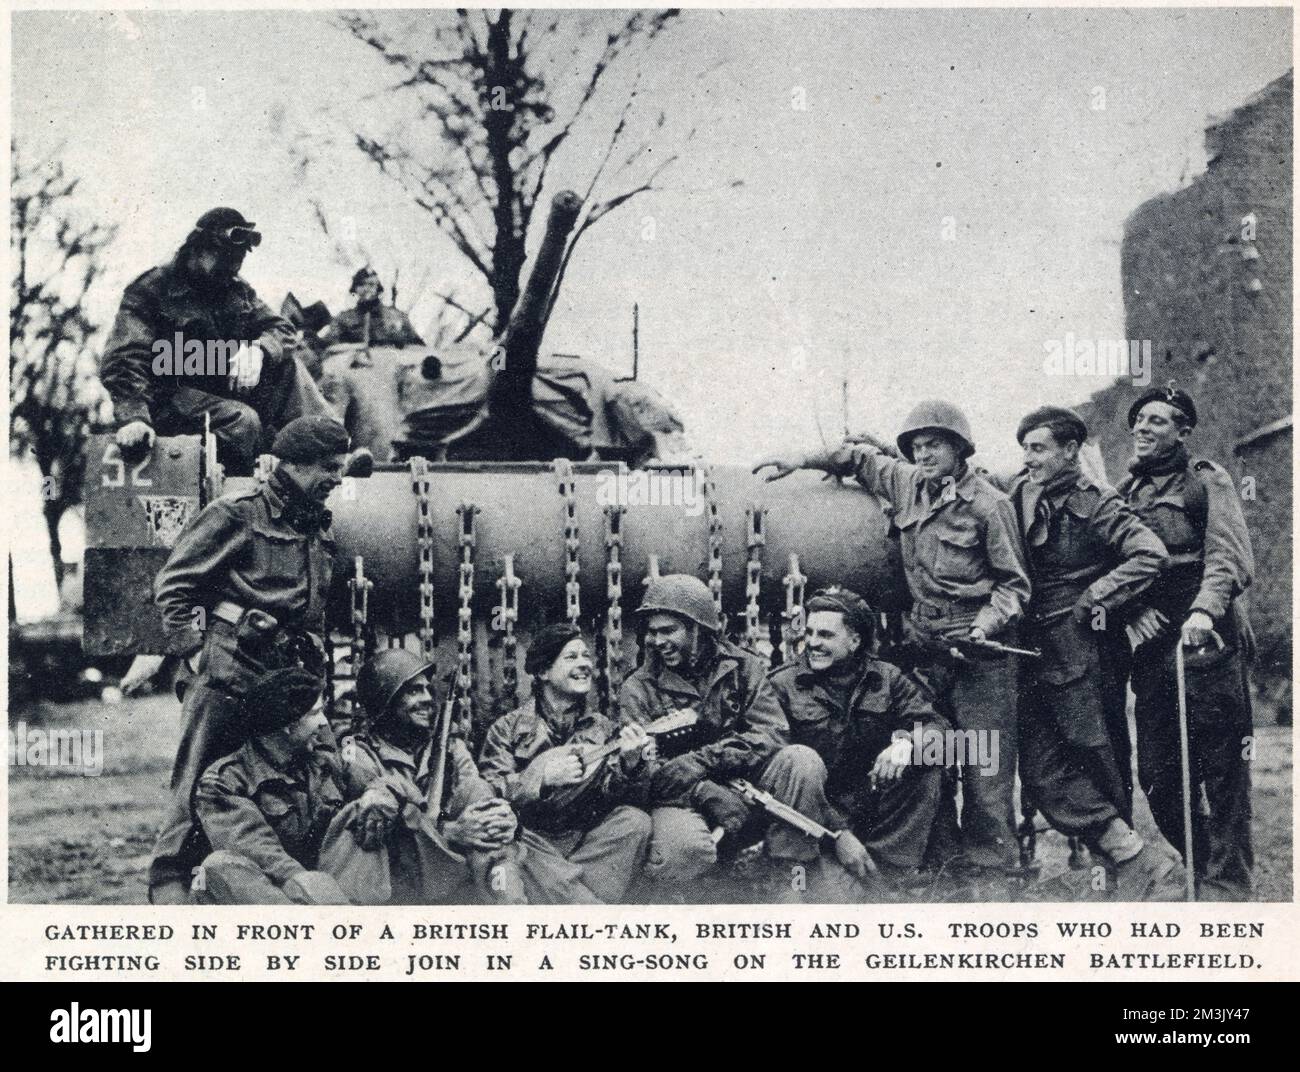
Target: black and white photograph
(651, 457)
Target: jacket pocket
(958, 557)
(277, 557)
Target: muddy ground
(81, 840)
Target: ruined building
(1207, 279)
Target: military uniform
(1192, 506)
(259, 550)
(742, 725)
(376, 325)
(596, 825)
(417, 864)
(965, 569)
(268, 819)
(1089, 557)
(162, 303)
(848, 719)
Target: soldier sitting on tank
(541, 758)
(880, 779)
(192, 340)
(966, 570)
(370, 322)
(275, 809)
(464, 851)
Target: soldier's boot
(1151, 875)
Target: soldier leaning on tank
(741, 730)
(966, 571)
(200, 297)
(866, 723)
(469, 854)
(1192, 505)
(244, 592)
(275, 809)
(1089, 558)
(370, 322)
(587, 812)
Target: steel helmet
(936, 416)
(680, 593)
(383, 676)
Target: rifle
(760, 798)
(434, 799)
(961, 645)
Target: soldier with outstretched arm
(966, 571)
(1192, 505)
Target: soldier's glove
(720, 807)
(377, 813)
(135, 440)
(676, 778)
(315, 887)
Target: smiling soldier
(1089, 558)
(966, 572)
(862, 717)
(542, 758)
(1192, 505)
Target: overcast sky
(754, 301)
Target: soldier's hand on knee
(891, 763)
(853, 855)
(135, 438)
(247, 372)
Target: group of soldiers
(1035, 605)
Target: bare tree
(492, 99)
(54, 394)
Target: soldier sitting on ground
(273, 809)
(541, 757)
(462, 850)
(867, 724)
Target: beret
(308, 439)
(278, 699)
(546, 646)
(1051, 415)
(1171, 395)
(362, 274)
(857, 612)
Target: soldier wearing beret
(248, 384)
(1192, 505)
(966, 571)
(866, 723)
(370, 322)
(541, 758)
(244, 592)
(1089, 559)
(273, 809)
